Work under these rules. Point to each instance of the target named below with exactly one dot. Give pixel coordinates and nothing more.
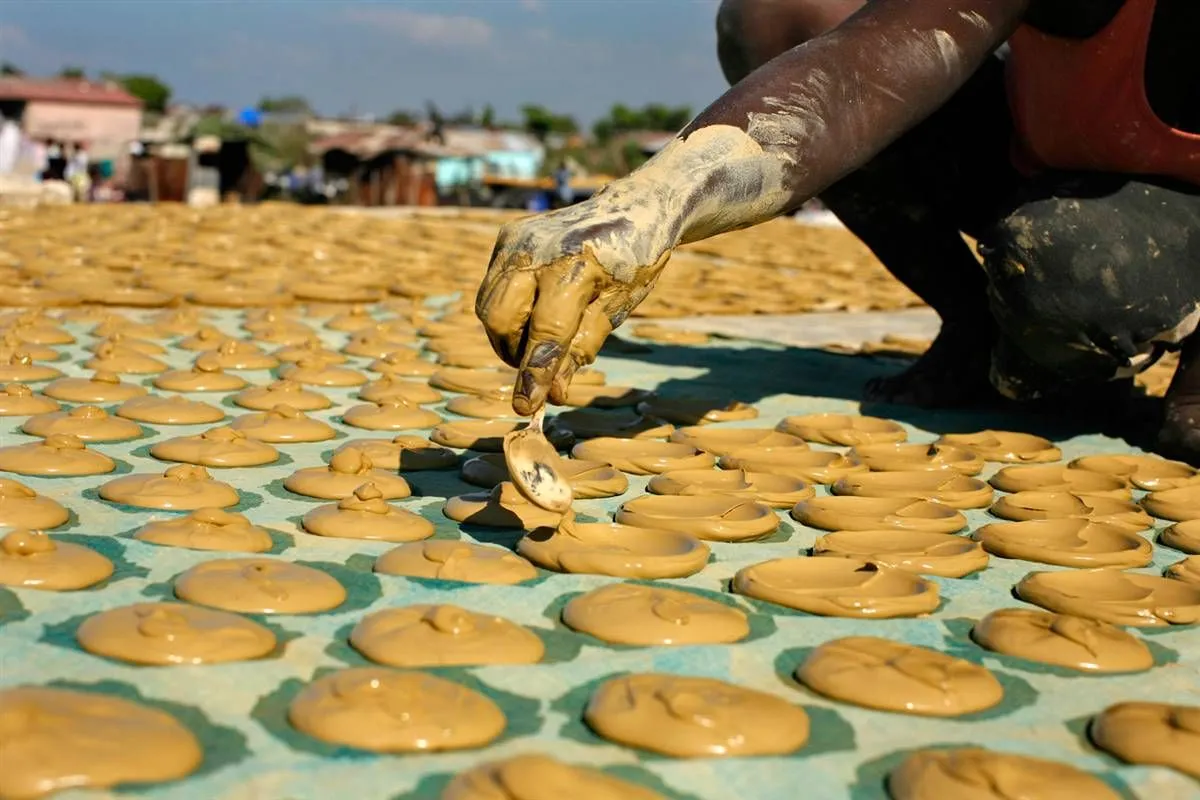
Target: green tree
(10, 70)
(652, 117)
(154, 94)
(403, 118)
(487, 117)
(72, 73)
(285, 104)
(541, 122)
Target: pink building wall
(106, 129)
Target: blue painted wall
(509, 163)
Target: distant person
(56, 161)
(563, 193)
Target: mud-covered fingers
(504, 305)
(593, 330)
(558, 310)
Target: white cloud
(533, 5)
(436, 29)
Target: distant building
(101, 115)
(494, 153)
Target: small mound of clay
(389, 711)
(693, 411)
(404, 364)
(173, 633)
(811, 466)
(1074, 542)
(1005, 447)
(283, 424)
(876, 513)
(456, 561)
(208, 529)
(586, 423)
(971, 772)
(18, 400)
(1183, 536)
(726, 441)
(60, 740)
(311, 351)
(120, 341)
(636, 614)
(777, 491)
(642, 457)
(406, 453)
(1187, 570)
(838, 587)
(89, 423)
(914, 457)
(1177, 505)
(1157, 734)
(443, 635)
(206, 339)
(954, 490)
(390, 415)
(622, 551)
(392, 387)
(366, 515)
(845, 430)
(205, 375)
(1056, 505)
(34, 560)
(476, 407)
(221, 447)
(183, 487)
(21, 507)
(538, 777)
(318, 372)
(58, 455)
(687, 717)
(473, 381)
(259, 586)
(487, 435)
(347, 470)
(715, 518)
(1151, 473)
(502, 507)
(664, 335)
(1122, 598)
(236, 354)
(1060, 479)
(1062, 640)
(264, 398)
(915, 551)
(894, 676)
(126, 360)
(102, 387)
(172, 410)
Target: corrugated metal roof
(60, 90)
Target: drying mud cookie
(1076, 542)
(9, 346)
(812, 466)
(843, 513)
(111, 357)
(715, 518)
(1122, 598)
(395, 414)
(725, 441)
(686, 717)
(122, 341)
(1063, 640)
(281, 392)
(259, 586)
(220, 447)
(641, 456)
(539, 777)
(183, 487)
(58, 455)
(234, 295)
(355, 318)
(172, 410)
(19, 368)
(604, 396)
(34, 560)
(475, 357)
(208, 529)
(319, 372)
(393, 711)
(101, 387)
(206, 339)
(502, 507)
(1177, 505)
(443, 635)
(21, 507)
(972, 773)
(488, 435)
(1057, 505)
(587, 423)
(58, 740)
(284, 333)
(404, 363)
(845, 430)
(18, 400)
(954, 490)
(89, 423)
(283, 424)
(1156, 734)
(205, 375)
(939, 554)
(637, 614)
(311, 351)
(913, 457)
(661, 334)
(1006, 447)
(893, 676)
(236, 354)
(474, 381)
(406, 453)
(1145, 472)
(777, 491)
(456, 561)
(378, 343)
(1048, 478)
(173, 633)
(838, 587)
(366, 515)
(347, 470)
(1183, 536)
(1187, 570)
(393, 387)
(690, 411)
(476, 407)
(182, 321)
(603, 548)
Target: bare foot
(953, 373)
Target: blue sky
(574, 56)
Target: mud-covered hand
(559, 283)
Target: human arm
(559, 283)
